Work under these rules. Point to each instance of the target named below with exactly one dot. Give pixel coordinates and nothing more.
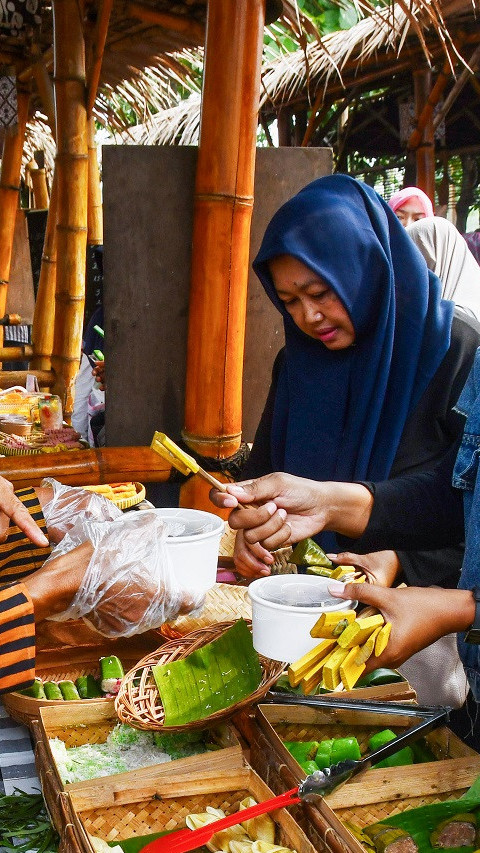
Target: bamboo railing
(221, 231)
(9, 195)
(72, 177)
(87, 467)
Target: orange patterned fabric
(17, 638)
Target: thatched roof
(380, 43)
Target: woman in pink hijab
(410, 205)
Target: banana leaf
(422, 821)
(209, 679)
(138, 842)
(307, 552)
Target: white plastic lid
(297, 592)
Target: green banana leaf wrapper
(210, 679)
(308, 553)
(419, 823)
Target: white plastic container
(284, 609)
(193, 545)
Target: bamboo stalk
(44, 313)
(87, 467)
(94, 203)
(425, 151)
(175, 23)
(221, 231)
(45, 88)
(72, 177)
(9, 195)
(98, 47)
(464, 77)
(40, 189)
(20, 353)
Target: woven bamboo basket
(138, 702)
(162, 804)
(223, 602)
(374, 794)
(79, 725)
(68, 662)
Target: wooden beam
(464, 77)
(27, 73)
(425, 150)
(182, 24)
(98, 48)
(426, 114)
(223, 206)
(8, 378)
(72, 177)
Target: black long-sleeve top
(429, 434)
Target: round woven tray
(138, 702)
(126, 503)
(223, 602)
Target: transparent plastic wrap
(61, 512)
(129, 586)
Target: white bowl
(285, 608)
(194, 551)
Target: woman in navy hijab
(374, 359)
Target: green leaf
(210, 679)
(348, 17)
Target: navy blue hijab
(339, 415)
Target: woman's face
(410, 211)
(313, 306)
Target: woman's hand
(288, 509)
(381, 567)
(12, 509)
(419, 616)
(99, 373)
(251, 562)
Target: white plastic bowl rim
(254, 591)
(181, 514)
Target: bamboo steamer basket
(163, 803)
(79, 724)
(374, 794)
(69, 662)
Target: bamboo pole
(72, 177)
(20, 353)
(45, 88)
(189, 28)
(221, 231)
(465, 76)
(40, 189)
(9, 196)
(94, 204)
(98, 47)
(425, 151)
(44, 313)
(9, 378)
(87, 467)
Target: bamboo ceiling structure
(87, 54)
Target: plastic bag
(129, 586)
(61, 512)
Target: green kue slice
(210, 679)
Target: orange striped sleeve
(17, 638)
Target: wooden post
(94, 207)
(425, 151)
(221, 232)
(9, 195)
(72, 177)
(44, 314)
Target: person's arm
(419, 617)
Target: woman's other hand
(381, 567)
(419, 616)
(12, 509)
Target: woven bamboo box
(79, 724)
(162, 804)
(69, 662)
(373, 794)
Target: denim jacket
(466, 476)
